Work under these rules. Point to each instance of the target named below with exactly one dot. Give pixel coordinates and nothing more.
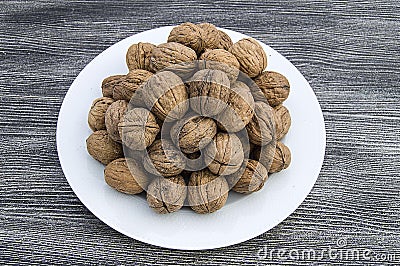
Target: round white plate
(243, 217)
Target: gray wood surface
(348, 51)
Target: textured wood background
(348, 51)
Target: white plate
(243, 217)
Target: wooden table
(348, 51)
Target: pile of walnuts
(194, 118)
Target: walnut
(97, 113)
(207, 192)
(251, 56)
(275, 87)
(282, 158)
(249, 178)
(261, 128)
(107, 86)
(164, 159)
(165, 94)
(224, 155)
(240, 109)
(222, 60)
(127, 86)
(113, 117)
(138, 56)
(209, 92)
(282, 121)
(138, 128)
(193, 133)
(264, 154)
(166, 195)
(170, 53)
(214, 38)
(189, 35)
(125, 175)
(102, 148)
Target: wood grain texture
(348, 51)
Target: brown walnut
(97, 113)
(128, 85)
(102, 148)
(264, 154)
(107, 86)
(113, 117)
(261, 128)
(274, 86)
(125, 175)
(282, 121)
(193, 133)
(222, 60)
(249, 178)
(138, 56)
(207, 192)
(138, 128)
(209, 92)
(224, 155)
(240, 109)
(214, 38)
(166, 195)
(170, 53)
(165, 94)
(282, 158)
(164, 159)
(251, 56)
(189, 35)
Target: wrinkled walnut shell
(138, 56)
(249, 178)
(214, 38)
(107, 86)
(170, 53)
(282, 121)
(207, 192)
(97, 113)
(274, 86)
(113, 117)
(164, 159)
(102, 148)
(193, 133)
(224, 155)
(223, 60)
(126, 179)
(138, 128)
(251, 56)
(127, 86)
(282, 158)
(166, 195)
(189, 35)
(261, 128)
(209, 92)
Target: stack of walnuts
(194, 118)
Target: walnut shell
(214, 38)
(167, 54)
(97, 113)
(274, 86)
(138, 56)
(102, 148)
(209, 92)
(261, 128)
(264, 154)
(189, 35)
(251, 56)
(224, 155)
(166, 195)
(193, 133)
(240, 109)
(282, 158)
(113, 117)
(138, 128)
(282, 121)
(128, 85)
(207, 192)
(107, 86)
(164, 159)
(120, 175)
(165, 94)
(249, 178)
(222, 60)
